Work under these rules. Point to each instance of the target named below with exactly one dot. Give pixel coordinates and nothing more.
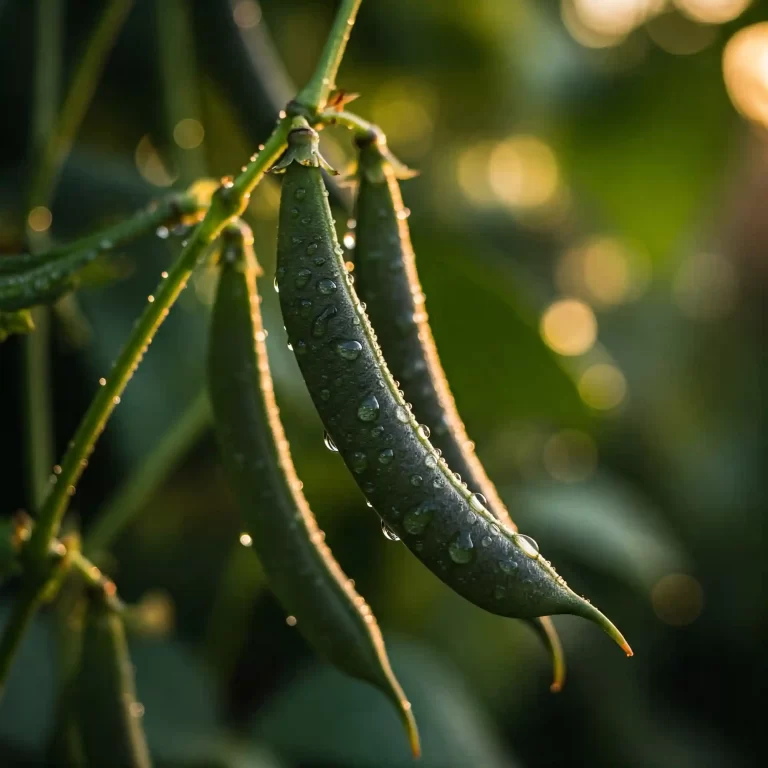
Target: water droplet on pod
(389, 534)
(462, 549)
(528, 545)
(329, 444)
(368, 410)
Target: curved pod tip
(410, 726)
(546, 628)
(588, 611)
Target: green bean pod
(110, 716)
(303, 573)
(387, 280)
(389, 454)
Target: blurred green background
(590, 229)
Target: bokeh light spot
(39, 219)
(188, 133)
(247, 14)
(745, 69)
(603, 386)
(569, 327)
(523, 172)
(570, 456)
(677, 599)
(150, 165)
(713, 11)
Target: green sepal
(375, 155)
(304, 149)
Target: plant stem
(56, 146)
(134, 493)
(168, 212)
(314, 95)
(355, 123)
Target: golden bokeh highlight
(570, 456)
(745, 69)
(602, 386)
(605, 23)
(188, 133)
(713, 11)
(150, 165)
(246, 13)
(605, 271)
(471, 173)
(523, 172)
(569, 327)
(677, 599)
(39, 219)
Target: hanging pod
(305, 577)
(388, 453)
(110, 716)
(387, 281)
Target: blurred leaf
(323, 715)
(605, 524)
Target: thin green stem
(57, 144)
(165, 213)
(140, 485)
(356, 124)
(39, 441)
(314, 95)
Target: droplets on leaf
(350, 349)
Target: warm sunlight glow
(602, 386)
(713, 11)
(569, 327)
(570, 456)
(523, 173)
(601, 23)
(39, 219)
(677, 599)
(745, 69)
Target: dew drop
(528, 545)
(415, 521)
(431, 461)
(359, 462)
(386, 456)
(349, 350)
(291, 621)
(478, 502)
(320, 323)
(389, 534)
(162, 233)
(311, 248)
(290, 346)
(403, 213)
(329, 444)
(303, 276)
(349, 240)
(423, 431)
(300, 193)
(462, 549)
(275, 285)
(325, 394)
(508, 566)
(416, 480)
(368, 410)
(401, 414)
(326, 286)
